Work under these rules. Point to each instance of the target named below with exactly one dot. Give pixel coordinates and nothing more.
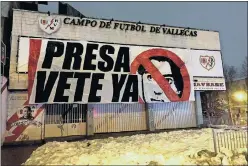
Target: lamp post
(240, 97)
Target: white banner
(88, 72)
(91, 72)
(209, 83)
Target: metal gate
(173, 115)
(119, 117)
(65, 120)
(231, 138)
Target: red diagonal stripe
(3, 87)
(141, 101)
(50, 24)
(34, 54)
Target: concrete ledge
(23, 143)
(95, 136)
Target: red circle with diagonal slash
(143, 59)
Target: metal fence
(119, 117)
(68, 113)
(64, 120)
(173, 115)
(230, 138)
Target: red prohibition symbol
(143, 59)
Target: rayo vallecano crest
(49, 24)
(208, 62)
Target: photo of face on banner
(151, 90)
(26, 113)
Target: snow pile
(185, 147)
(225, 157)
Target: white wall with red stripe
(4, 97)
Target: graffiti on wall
(61, 127)
(23, 137)
(73, 126)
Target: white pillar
(199, 115)
(90, 121)
(149, 118)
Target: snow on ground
(184, 147)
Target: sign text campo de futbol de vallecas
(129, 27)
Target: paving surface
(16, 155)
